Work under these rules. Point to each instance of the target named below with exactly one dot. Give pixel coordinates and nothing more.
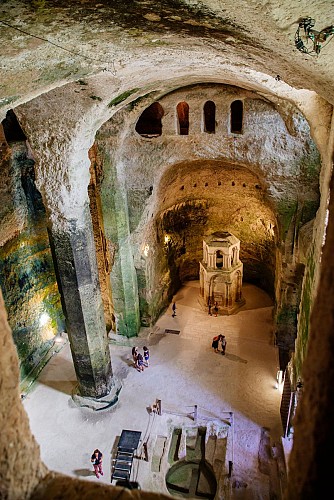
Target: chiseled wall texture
(20, 465)
(311, 464)
(27, 275)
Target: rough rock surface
(21, 468)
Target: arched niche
(183, 118)
(209, 110)
(149, 123)
(236, 117)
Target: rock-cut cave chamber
(139, 234)
(109, 191)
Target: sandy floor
(184, 371)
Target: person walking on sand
(174, 310)
(215, 342)
(96, 460)
(215, 309)
(146, 354)
(223, 344)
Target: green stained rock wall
(123, 275)
(137, 200)
(292, 311)
(304, 315)
(144, 306)
(27, 276)
(120, 98)
(286, 210)
(31, 295)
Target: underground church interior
(152, 153)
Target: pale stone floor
(184, 371)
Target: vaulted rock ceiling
(148, 45)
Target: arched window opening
(183, 116)
(219, 259)
(236, 117)
(209, 117)
(234, 253)
(149, 123)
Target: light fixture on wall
(306, 34)
(43, 320)
(168, 242)
(59, 338)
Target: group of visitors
(141, 360)
(219, 339)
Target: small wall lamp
(306, 33)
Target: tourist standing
(223, 343)
(140, 362)
(146, 354)
(174, 310)
(134, 354)
(215, 342)
(96, 460)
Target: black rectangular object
(129, 440)
(122, 466)
(121, 457)
(120, 475)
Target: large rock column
(123, 276)
(76, 267)
(62, 177)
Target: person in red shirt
(215, 342)
(96, 460)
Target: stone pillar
(201, 281)
(125, 291)
(123, 275)
(228, 293)
(206, 291)
(205, 253)
(211, 260)
(76, 268)
(237, 258)
(62, 178)
(239, 285)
